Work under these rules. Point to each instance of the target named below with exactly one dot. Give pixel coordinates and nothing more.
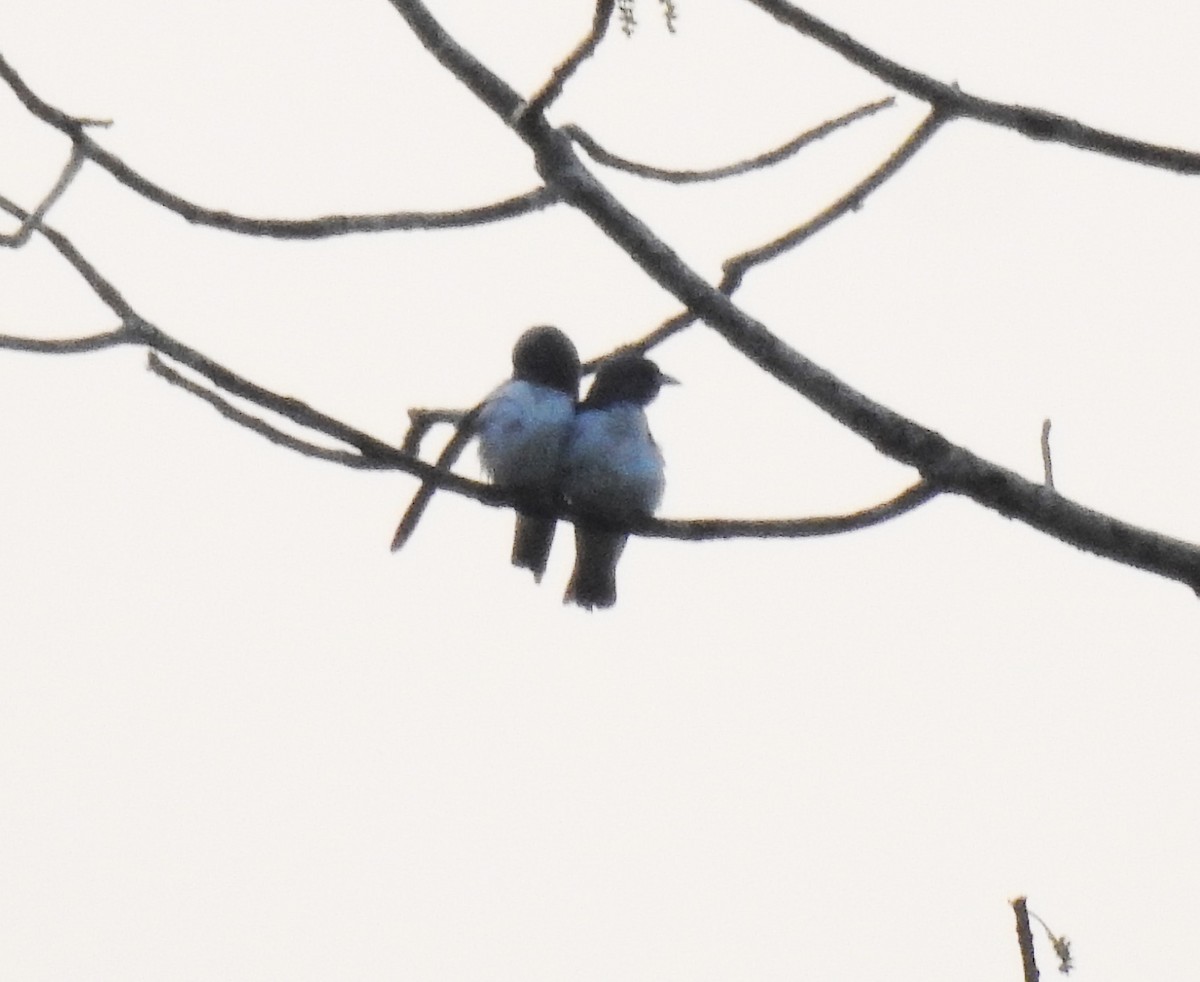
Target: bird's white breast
(612, 464)
(523, 428)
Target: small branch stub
(1025, 940)
(1047, 463)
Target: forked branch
(946, 466)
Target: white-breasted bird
(612, 473)
(523, 428)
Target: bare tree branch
(373, 454)
(602, 156)
(583, 51)
(852, 200)
(137, 330)
(261, 426)
(1025, 941)
(697, 529)
(1047, 463)
(463, 432)
(280, 228)
(945, 465)
(21, 236)
(441, 478)
(66, 346)
(1037, 124)
(735, 268)
(109, 295)
(421, 421)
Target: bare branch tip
(1047, 462)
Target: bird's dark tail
(531, 543)
(594, 579)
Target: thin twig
(1047, 463)
(66, 346)
(697, 529)
(609, 159)
(736, 267)
(260, 426)
(421, 421)
(70, 169)
(453, 449)
(137, 330)
(1060, 943)
(280, 228)
(583, 51)
(852, 200)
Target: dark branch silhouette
(1037, 124)
(421, 421)
(281, 228)
(736, 268)
(793, 146)
(446, 460)
(25, 229)
(260, 426)
(695, 530)
(66, 346)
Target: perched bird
(612, 473)
(523, 427)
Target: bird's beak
(666, 379)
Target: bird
(523, 427)
(612, 473)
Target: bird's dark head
(546, 356)
(626, 378)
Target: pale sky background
(240, 740)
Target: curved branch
(66, 346)
(602, 156)
(736, 267)
(1037, 124)
(260, 426)
(697, 529)
(327, 225)
(279, 228)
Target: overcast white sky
(240, 740)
